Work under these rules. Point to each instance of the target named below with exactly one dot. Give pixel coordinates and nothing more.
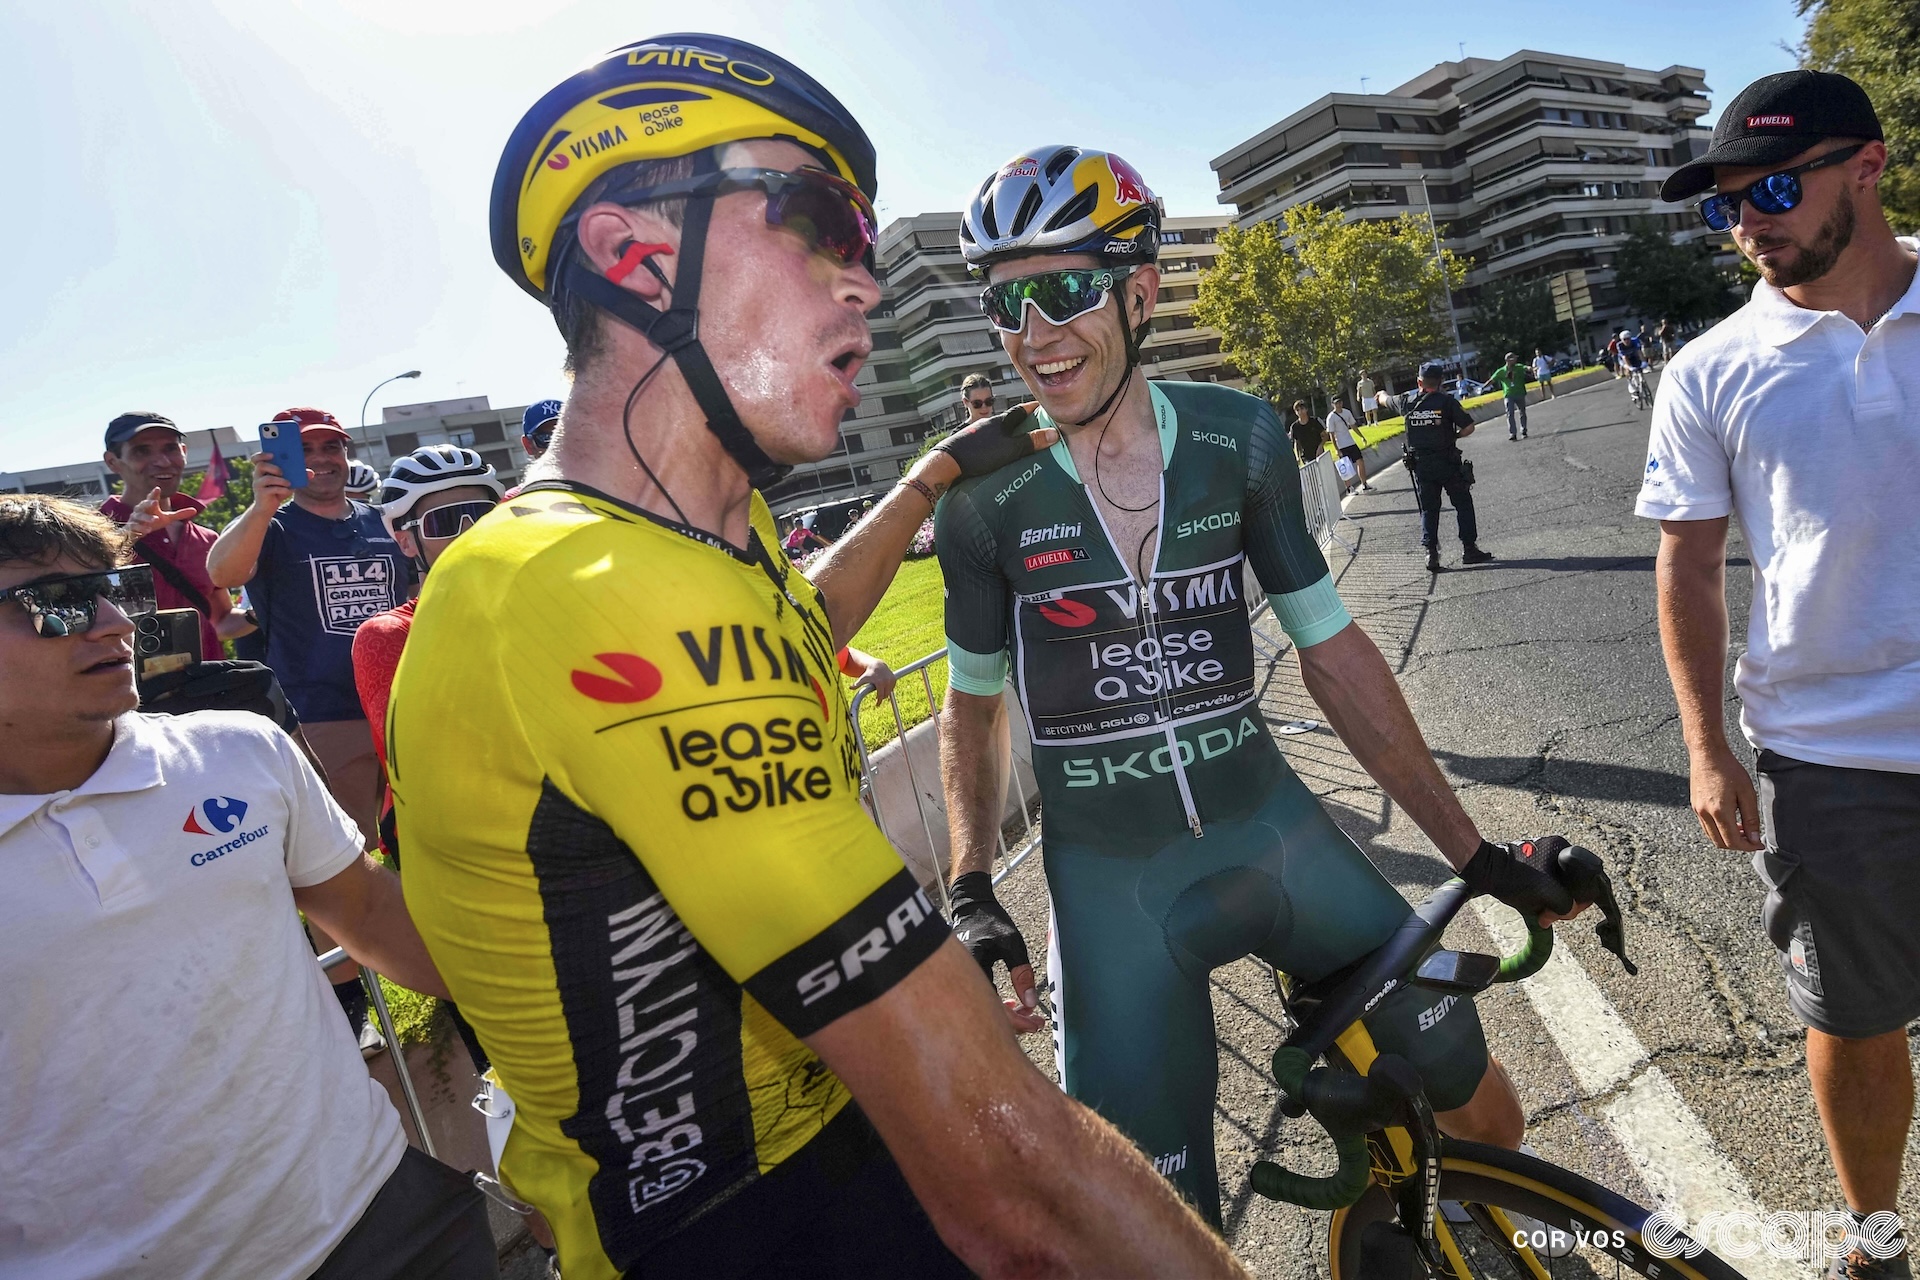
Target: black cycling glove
(1520, 874)
(990, 443)
(983, 925)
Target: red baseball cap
(317, 421)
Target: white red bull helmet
(1062, 200)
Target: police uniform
(1434, 422)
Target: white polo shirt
(179, 1093)
(1809, 431)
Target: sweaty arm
(856, 571)
(1690, 576)
(1017, 1177)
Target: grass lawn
(1365, 436)
(908, 624)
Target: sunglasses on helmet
(832, 215)
(1775, 193)
(1058, 296)
(446, 522)
(67, 606)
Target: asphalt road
(1539, 684)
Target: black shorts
(1351, 452)
(1842, 869)
(428, 1222)
(840, 1209)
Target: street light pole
(1440, 261)
(411, 373)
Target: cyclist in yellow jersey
(739, 1037)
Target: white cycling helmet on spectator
(430, 469)
(362, 480)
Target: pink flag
(214, 484)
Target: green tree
(222, 511)
(1877, 43)
(1515, 315)
(1675, 281)
(1306, 303)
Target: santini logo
(217, 816)
(1052, 533)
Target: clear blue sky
(217, 210)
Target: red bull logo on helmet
(1024, 167)
(1128, 186)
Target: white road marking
(1678, 1159)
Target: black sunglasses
(446, 522)
(832, 215)
(981, 404)
(1775, 193)
(67, 606)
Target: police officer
(1435, 423)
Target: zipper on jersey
(1147, 605)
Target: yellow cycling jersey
(628, 798)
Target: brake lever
(1585, 876)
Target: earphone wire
(626, 430)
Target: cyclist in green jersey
(1110, 570)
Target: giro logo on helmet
(714, 64)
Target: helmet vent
(1061, 161)
(988, 221)
(1081, 206)
(1029, 205)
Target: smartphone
(282, 440)
(164, 641)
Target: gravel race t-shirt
(316, 582)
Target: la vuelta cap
(1774, 119)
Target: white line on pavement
(1678, 1159)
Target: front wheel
(1491, 1185)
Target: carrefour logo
(217, 816)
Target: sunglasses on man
(68, 605)
(446, 522)
(986, 403)
(1775, 193)
(1058, 296)
(832, 215)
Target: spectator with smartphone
(316, 564)
(177, 1096)
(149, 455)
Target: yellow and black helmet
(1062, 200)
(672, 95)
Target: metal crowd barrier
(1023, 846)
(338, 956)
(1320, 495)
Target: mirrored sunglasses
(1775, 193)
(67, 606)
(1058, 296)
(447, 522)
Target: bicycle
(1638, 389)
(1396, 1167)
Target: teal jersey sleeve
(1284, 556)
(977, 595)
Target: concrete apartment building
(928, 335)
(1535, 164)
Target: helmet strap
(676, 331)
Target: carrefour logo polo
(216, 816)
(220, 815)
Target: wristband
(925, 491)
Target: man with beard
(1801, 412)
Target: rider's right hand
(1521, 874)
(992, 443)
(988, 933)
(271, 489)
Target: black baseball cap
(128, 425)
(1774, 119)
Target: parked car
(1461, 388)
(1564, 364)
